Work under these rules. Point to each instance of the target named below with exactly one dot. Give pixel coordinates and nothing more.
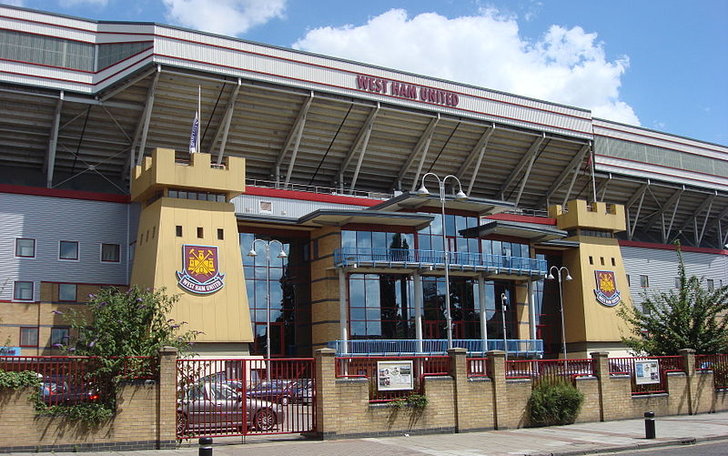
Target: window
(200, 232)
(178, 230)
(67, 292)
(220, 234)
(614, 263)
(25, 248)
(110, 253)
(591, 260)
(68, 250)
(644, 281)
(265, 207)
(28, 337)
(711, 284)
(59, 336)
(601, 260)
(23, 291)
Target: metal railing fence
(626, 366)
(716, 363)
(552, 369)
(366, 367)
(415, 347)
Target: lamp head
(568, 276)
(550, 276)
(423, 190)
(252, 253)
(460, 196)
(282, 254)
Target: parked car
(280, 391)
(208, 405)
(303, 391)
(61, 390)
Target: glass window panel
(59, 336)
(372, 292)
(358, 328)
(110, 252)
(348, 239)
(357, 313)
(450, 225)
(436, 225)
(67, 292)
(460, 223)
(408, 240)
(356, 291)
(23, 291)
(28, 337)
(379, 240)
(68, 250)
(424, 242)
(364, 239)
(25, 247)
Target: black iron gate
(228, 397)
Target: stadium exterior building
(414, 213)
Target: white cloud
(227, 17)
(13, 2)
(565, 65)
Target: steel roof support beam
(294, 136)
(50, 162)
(527, 158)
(424, 142)
(673, 202)
(603, 185)
(224, 128)
(573, 165)
(722, 238)
(706, 206)
(632, 225)
(143, 126)
(365, 131)
(365, 143)
(699, 237)
(478, 150)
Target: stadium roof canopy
(82, 101)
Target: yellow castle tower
(187, 242)
(599, 286)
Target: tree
(690, 317)
(128, 323)
(123, 331)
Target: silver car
(207, 407)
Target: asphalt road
(700, 449)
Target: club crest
(606, 290)
(200, 273)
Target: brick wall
(457, 403)
(142, 420)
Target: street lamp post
(460, 195)
(504, 303)
(282, 254)
(559, 271)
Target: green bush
(554, 402)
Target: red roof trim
(684, 248)
(523, 218)
(308, 196)
(55, 193)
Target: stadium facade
(325, 160)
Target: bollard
(649, 425)
(205, 446)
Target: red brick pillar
(167, 400)
(326, 397)
(459, 373)
(497, 370)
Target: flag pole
(199, 113)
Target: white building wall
(50, 220)
(661, 268)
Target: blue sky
(660, 64)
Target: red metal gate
(229, 397)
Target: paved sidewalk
(575, 439)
